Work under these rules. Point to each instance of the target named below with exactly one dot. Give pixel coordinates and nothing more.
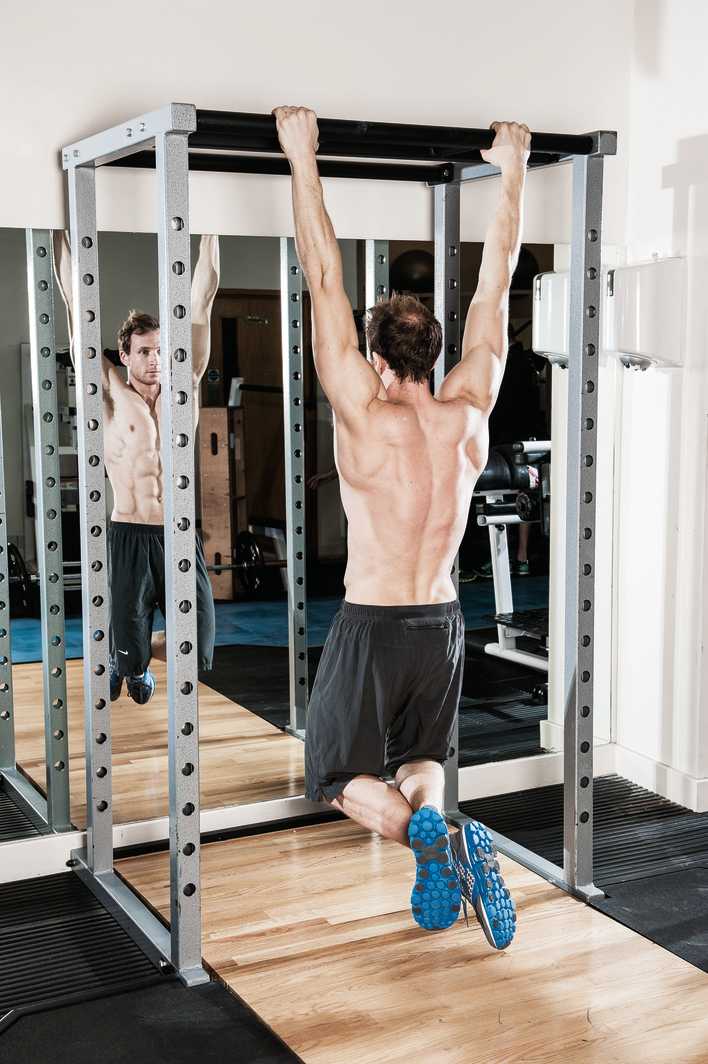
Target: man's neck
(148, 392)
(411, 392)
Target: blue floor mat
(266, 623)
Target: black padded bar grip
(238, 131)
(254, 164)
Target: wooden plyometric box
(239, 451)
(216, 493)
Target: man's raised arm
(478, 375)
(63, 276)
(349, 382)
(205, 285)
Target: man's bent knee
(418, 768)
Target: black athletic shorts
(386, 693)
(136, 575)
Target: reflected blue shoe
(435, 900)
(477, 866)
(141, 688)
(116, 681)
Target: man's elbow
(494, 293)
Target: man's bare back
(131, 401)
(407, 474)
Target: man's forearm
(503, 239)
(205, 283)
(316, 243)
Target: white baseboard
(671, 783)
(48, 854)
(524, 773)
(551, 737)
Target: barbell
(249, 563)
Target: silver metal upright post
(50, 558)
(446, 224)
(178, 398)
(376, 275)
(584, 343)
(22, 791)
(7, 708)
(377, 271)
(291, 309)
(88, 363)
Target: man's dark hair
(136, 323)
(405, 333)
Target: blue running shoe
(141, 688)
(116, 681)
(474, 858)
(435, 900)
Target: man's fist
(297, 131)
(511, 145)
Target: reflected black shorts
(136, 576)
(386, 693)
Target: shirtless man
(385, 700)
(131, 406)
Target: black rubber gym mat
(669, 909)
(497, 728)
(498, 718)
(637, 833)
(650, 856)
(164, 1024)
(14, 823)
(58, 944)
(534, 622)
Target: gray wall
(13, 332)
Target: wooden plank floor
(243, 758)
(312, 928)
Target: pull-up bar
(436, 174)
(236, 142)
(235, 131)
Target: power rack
(179, 138)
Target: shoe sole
(142, 700)
(436, 895)
(491, 900)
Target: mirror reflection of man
(132, 434)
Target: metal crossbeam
(130, 136)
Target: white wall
(662, 683)
(72, 69)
